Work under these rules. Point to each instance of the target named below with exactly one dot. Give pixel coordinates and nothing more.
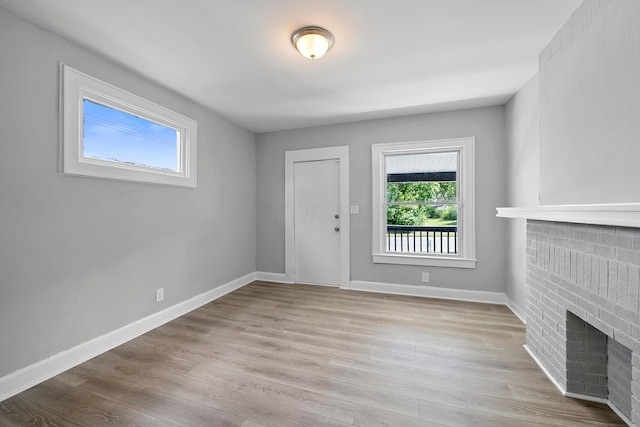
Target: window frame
(465, 178)
(75, 87)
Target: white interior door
(317, 222)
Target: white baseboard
(576, 395)
(621, 415)
(547, 373)
(273, 277)
(517, 310)
(430, 292)
(29, 376)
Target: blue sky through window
(117, 136)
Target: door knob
(337, 216)
(337, 229)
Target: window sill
(432, 261)
(90, 168)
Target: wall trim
(38, 372)
(618, 413)
(517, 310)
(430, 292)
(553, 380)
(576, 395)
(273, 277)
(417, 291)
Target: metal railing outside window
(422, 239)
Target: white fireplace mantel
(623, 214)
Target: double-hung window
(113, 134)
(423, 203)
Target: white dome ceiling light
(312, 42)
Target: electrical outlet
(159, 294)
(425, 277)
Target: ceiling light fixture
(312, 42)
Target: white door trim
(328, 153)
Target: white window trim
(466, 258)
(74, 88)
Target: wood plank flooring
(295, 355)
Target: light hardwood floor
(295, 355)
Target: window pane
(422, 215)
(436, 165)
(426, 192)
(431, 238)
(422, 210)
(116, 136)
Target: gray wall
(486, 124)
(81, 257)
(590, 106)
(522, 117)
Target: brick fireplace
(583, 317)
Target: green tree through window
(421, 203)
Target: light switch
(354, 210)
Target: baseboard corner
(273, 277)
(517, 310)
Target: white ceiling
(390, 58)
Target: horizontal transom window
(110, 133)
